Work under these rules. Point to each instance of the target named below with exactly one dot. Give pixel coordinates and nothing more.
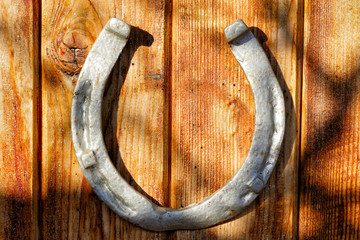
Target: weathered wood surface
(178, 115)
(134, 123)
(19, 75)
(330, 167)
(213, 112)
(187, 67)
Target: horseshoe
(225, 203)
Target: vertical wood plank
(134, 123)
(213, 112)
(19, 81)
(330, 167)
(142, 118)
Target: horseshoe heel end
(118, 27)
(235, 30)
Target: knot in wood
(72, 51)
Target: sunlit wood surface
(19, 119)
(330, 166)
(213, 111)
(178, 115)
(135, 121)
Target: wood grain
(213, 111)
(178, 115)
(134, 123)
(19, 74)
(330, 167)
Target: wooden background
(179, 115)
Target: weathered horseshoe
(225, 203)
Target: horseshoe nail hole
(256, 184)
(89, 159)
(231, 212)
(156, 76)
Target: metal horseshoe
(225, 203)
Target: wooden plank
(19, 80)
(330, 167)
(213, 112)
(135, 125)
